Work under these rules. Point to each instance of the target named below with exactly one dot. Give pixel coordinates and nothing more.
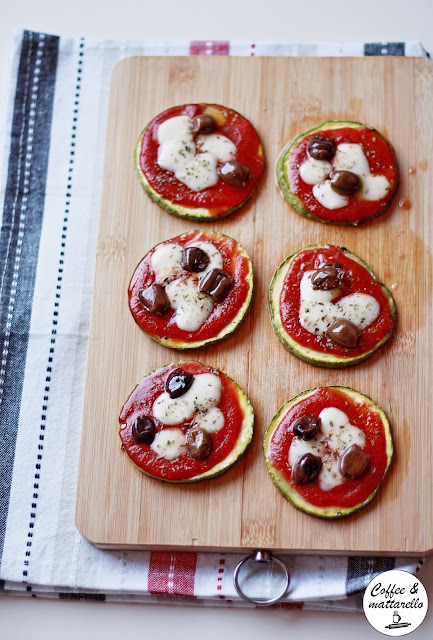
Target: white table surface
(289, 20)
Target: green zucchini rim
(307, 354)
(200, 214)
(295, 202)
(289, 492)
(238, 451)
(172, 343)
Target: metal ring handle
(262, 557)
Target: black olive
(178, 383)
(154, 300)
(327, 277)
(307, 426)
(199, 443)
(353, 462)
(194, 259)
(344, 333)
(234, 173)
(203, 124)
(216, 283)
(143, 430)
(344, 182)
(321, 148)
(306, 468)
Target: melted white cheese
(166, 261)
(220, 146)
(308, 293)
(328, 198)
(169, 443)
(175, 129)
(348, 157)
(204, 394)
(374, 187)
(175, 155)
(177, 152)
(351, 157)
(313, 170)
(173, 410)
(211, 420)
(191, 305)
(336, 433)
(197, 404)
(205, 391)
(198, 173)
(317, 310)
(359, 308)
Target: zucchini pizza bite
(186, 422)
(328, 308)
(199, 161)
(328, 450)
(192, 290)
(339, 172)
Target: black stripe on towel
(384, 49)
(361, 571)
(20, 234)
(99, 597)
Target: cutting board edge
(279, 551)
(80, 516)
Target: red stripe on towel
(209, 48)
(172, 574)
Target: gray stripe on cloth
(20, 234)
(361, 571)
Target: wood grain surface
(119, 507)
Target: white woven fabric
(54, 182)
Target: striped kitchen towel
(50, 179)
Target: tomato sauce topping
(380, 158)
(234, 263)
(140, 403)
(357, 279)
(221, 197)
(351, 492)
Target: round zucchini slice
(340, 172)
(192, 290)
(343, 321)
(199, 161)
(337, 470)
(186, 422)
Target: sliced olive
(353, 462)
(344, 333)
(321, 148)
(234, 173)
(327, 277)
(154, 300)
(203, 124)
(194, 259)
(143, 430)
(178, 383)
(199, 443)
(306, 468)
(216, 283)
(307, 426)
(344, 182)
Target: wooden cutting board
(117, 506)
